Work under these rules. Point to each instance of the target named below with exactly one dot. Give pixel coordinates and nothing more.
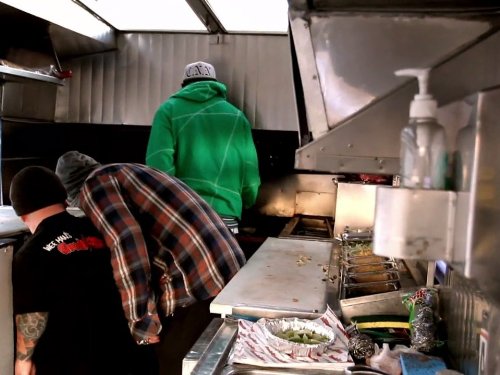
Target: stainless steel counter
(210, 353)
(12, 225)
(285, 277)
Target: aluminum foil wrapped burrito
(423, 306)
(298, 337)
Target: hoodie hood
(73, 168)
(202, 91)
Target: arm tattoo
(30, 328)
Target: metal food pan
(368, 259)
(367, 277)
(356, 233)
(356, 250)
(377, 267)
(368, 288)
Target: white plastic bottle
(424, 159)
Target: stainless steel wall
(127, 85)
(355, 105)
(471, 322)
(354, 72)
(483, 262)
(298, 194)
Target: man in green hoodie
(205, 141)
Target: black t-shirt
(64, 269)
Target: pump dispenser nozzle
(423, 104)
(423, 140)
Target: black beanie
(34, 188)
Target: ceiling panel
(261, 16)
(237, 16)
(147, 15)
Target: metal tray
(209, 355)
(361, 271)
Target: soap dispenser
(423, 154)
(416, 220)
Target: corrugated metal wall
(127, 85)
(469, 318)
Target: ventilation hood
(347, 52)
(22, 31)
(396, 5)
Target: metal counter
(210, 353)
(12, 225)
(285, 277)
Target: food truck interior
(327, 112)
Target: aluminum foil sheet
(274, 326)
(361, 346)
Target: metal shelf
(8, 74)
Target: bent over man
(170, 251)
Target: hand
(148, 341)
(25, 367)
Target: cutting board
(286, 275)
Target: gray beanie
(34, 188)
(73, 168)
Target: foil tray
(272, 327)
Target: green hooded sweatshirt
(205, 141)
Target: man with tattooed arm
(68, 313)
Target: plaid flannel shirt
(168, 247)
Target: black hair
(193, 80)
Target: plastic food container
(300, 326)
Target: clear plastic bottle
(464, 158)
(424, 158)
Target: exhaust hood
(23, 31)
(354, 104)
(396, 5)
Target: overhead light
(261, 16)
(147, 15)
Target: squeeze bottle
(423, 154)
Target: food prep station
(351, 109)
(311, 266)
(354, 115)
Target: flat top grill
(319, 228)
